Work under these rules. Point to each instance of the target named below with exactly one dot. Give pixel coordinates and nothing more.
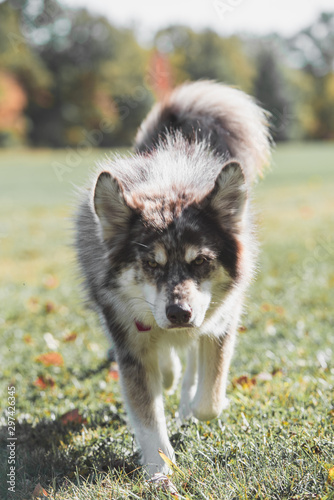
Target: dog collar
(141, 327)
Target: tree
(271, 91)
(95, 75)
(195, 56)
(312, 51)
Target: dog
(165, 243)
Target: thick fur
(166, 248)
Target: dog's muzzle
(179, 314)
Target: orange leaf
(44, 382)
(266, 307)
(330, 478)
(50, 359)
(33, 304)
(39, 492)
(70, 337)
(49, 307)
(113, 373)
(242, 329)
(72, 416)
(50, 281)
(244, 381)
(110, 398)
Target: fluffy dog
(166, 248)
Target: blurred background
(87, 71)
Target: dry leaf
(113, 373)
(244, 381)
(70, 337)
(330, 478)
(27, 339)
(49, 307)
(50, 281)
(39, 492)
(242, 329)
(44, 381)
(173, 467)
(50, 359)
(72, 416)
(33, 304)
(266, 307)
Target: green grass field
(276, 439)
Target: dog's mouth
(181, 326)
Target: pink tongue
(141, 327)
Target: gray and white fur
(166, 248)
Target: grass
(276, 439)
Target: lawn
(276, 439)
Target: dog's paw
(205, 410)
(226, 404)
(184, 414)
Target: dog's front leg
(213, 364)
(142, 389)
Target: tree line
(67, 75)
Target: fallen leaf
(266, 307)
(72, 416)
(39, 492)
(33, 305)
(44, 381)
(330, 478)
(50, 359)
(50, 281)
(70, 337)
(49, 307)
(242, 329)
(244, 381)
(173, 467)
(113, 373)
(110, 398)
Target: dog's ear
(229, 196)
(110, 206)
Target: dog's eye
(199, 261)
(152, 263)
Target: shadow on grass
(51, 452)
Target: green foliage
(195, 56)
(275, 441)
(81, 74)
(270, 89)
(16, 55)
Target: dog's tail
(227, 118)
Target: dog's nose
(178, 314)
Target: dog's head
(174, 253)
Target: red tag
(141, 327)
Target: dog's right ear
(110, 206)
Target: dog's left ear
(229, 195)
(110, 206)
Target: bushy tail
(227, 118)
